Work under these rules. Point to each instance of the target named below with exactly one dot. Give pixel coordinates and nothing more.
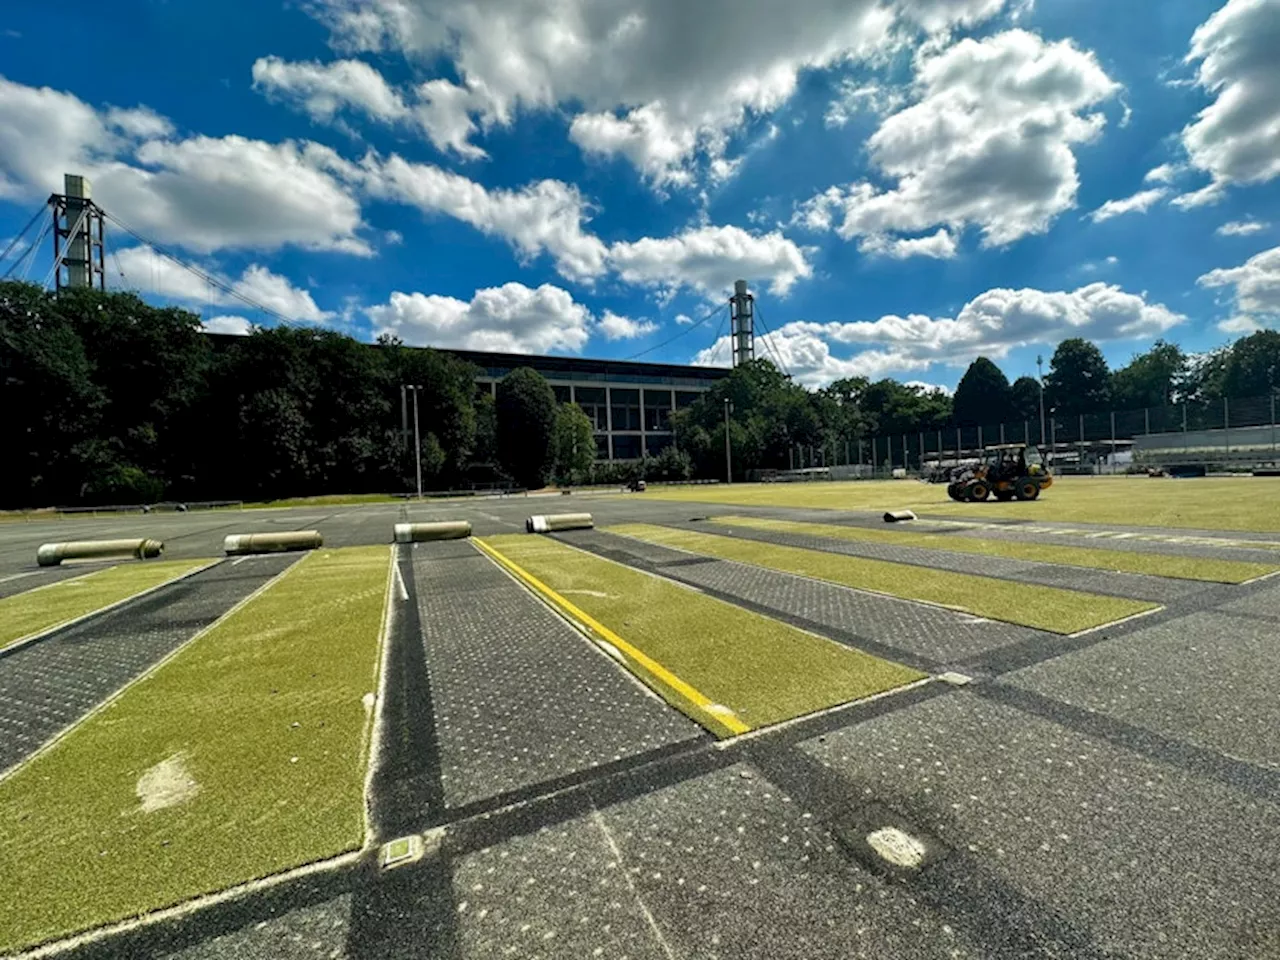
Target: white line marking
(622, 866)
(240, 560)
(19, 576)
(373, 737)
(404, 593)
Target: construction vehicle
(1007, 470)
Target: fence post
(1226, 424)
(922, 451)
(1273, 422)
(1082, 428)
(1002, 431)
(873, 458)
(979, 438)
(1146, 419)
(1113, 441)
(939, 448)
(1185, 404)
(906, 454)
(1026, 432)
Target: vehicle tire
(977, 491)
(953, 491)
(1004, 496)
(1026, 489)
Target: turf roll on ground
(242, 756)
(1043, 608)
(762, 670)
(1153, 564)
(44, 608)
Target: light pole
(728, 453)
(417, 443)
(1040, 368)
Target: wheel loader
(1007, 471)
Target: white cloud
(991, 324)
(323, 90)
(615, 327)
(202, 193)
(987, 142)
(237, 326)
(940, 246)
(1236, 139)
(511, 318)
(1240, 324)
(1204, 197)
(148, 271)
(853, 98)
(544, 217)
(1140, 202)
(1256, 283)
(656, 83)
(1165, 173)
(710, 259)
(683, 319)
(1241, 228)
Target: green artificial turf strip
(281, 677)
(44, 608)
(1154, 564)
(1210, 503)
(1043, 608)
(764, 670)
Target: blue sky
(906, 184)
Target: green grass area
(44, 608)
(1155, 564)
(764, 670)
(256, 734)
(1044, 608)
(1215, 503)
(330, 500)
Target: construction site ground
(619, 742)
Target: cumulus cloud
(655, 84)
(991, 324)
(238, 326)
(709, 259)
(1255, 284)
(1165, 173)
(146, 270)
(544, 217)
(940, 246)
(987, 142)
(203, 193)
(615, 327)
(511, 318)
(1236, 139)
(1240, 324)
(324, 90)
(1241, 228)
(1140, 202)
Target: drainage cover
(399, 852)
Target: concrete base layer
(521, 697)
(51, 683)
(1206, 678)
(1137, 858)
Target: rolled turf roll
(52, 554)
(246, 543)
(441, 530)
(550, 523)
(897, 516)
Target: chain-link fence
(1232, 434)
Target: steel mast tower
(78, 237)
(742, 324)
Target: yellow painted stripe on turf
(728, 720)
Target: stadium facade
(628, 402)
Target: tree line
(107, 399)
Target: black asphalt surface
(1113, 795)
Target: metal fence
(1235, 434)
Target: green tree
(1150, 379)
(671, 464)
(983, 395)
(526, 416)
(1024, 398)
(575, 443)
(1253, 366)
(1078, 380)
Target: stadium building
(630, 403)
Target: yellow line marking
(717, 714)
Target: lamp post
(728, 453)
(1040, 368)
(417, 443)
